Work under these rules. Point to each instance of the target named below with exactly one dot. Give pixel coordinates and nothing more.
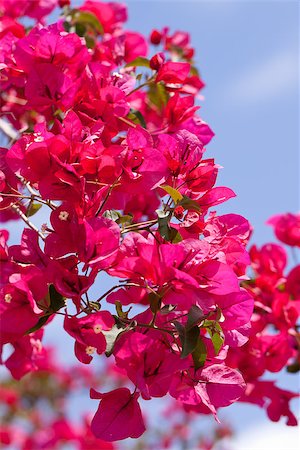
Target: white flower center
(63, 215)
(90, 350)
(38, 137)
(97, 329)
(8, 298)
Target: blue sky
(248, 55)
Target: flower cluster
(274, 342)
(109, 142)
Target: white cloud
(269, 436)
(273, 77)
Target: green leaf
(155, 302)
(174, 193)
(117, 217)
(214, 329)
(80, 29)
(127, 219)
(294, 367)
(33, 209)
(139, 62)
(112, 215)
(188, 203)
(219, 315)
(136, 117)
(199, 354)
(217, 341)
(166, 231)
(122, 314)
(175, 236)
(163, 222)
(195, 316)
(51, 303)
(57, 301)
(158, 95)
(188, 338)
(89, 41)
(41, 322)
(84, 18)
(194, 71)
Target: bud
(188, 53)
(178, 212)
(155, 37)
(157, 61)
(63, 3)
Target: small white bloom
(90, 350)
(63, 215)
(97, 329)
(8, 298)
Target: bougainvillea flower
(149, 363)
(118, 416)
(27, 355)
(173, 72)
(287, 228)
(88, 335)
(214, 386)
(110, 15)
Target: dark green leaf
(188, 338)
(80, 29)
(155, 302)
(166, 231)
(294, 367)
(219, 315)
(188, 203)
(90, 41)
(195, 316)
(163, 223)
(41, 322)
(57, 301)
(166, 309)
(199, 354)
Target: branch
(27, 221)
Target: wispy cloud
(270, 435)
(278, 75)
